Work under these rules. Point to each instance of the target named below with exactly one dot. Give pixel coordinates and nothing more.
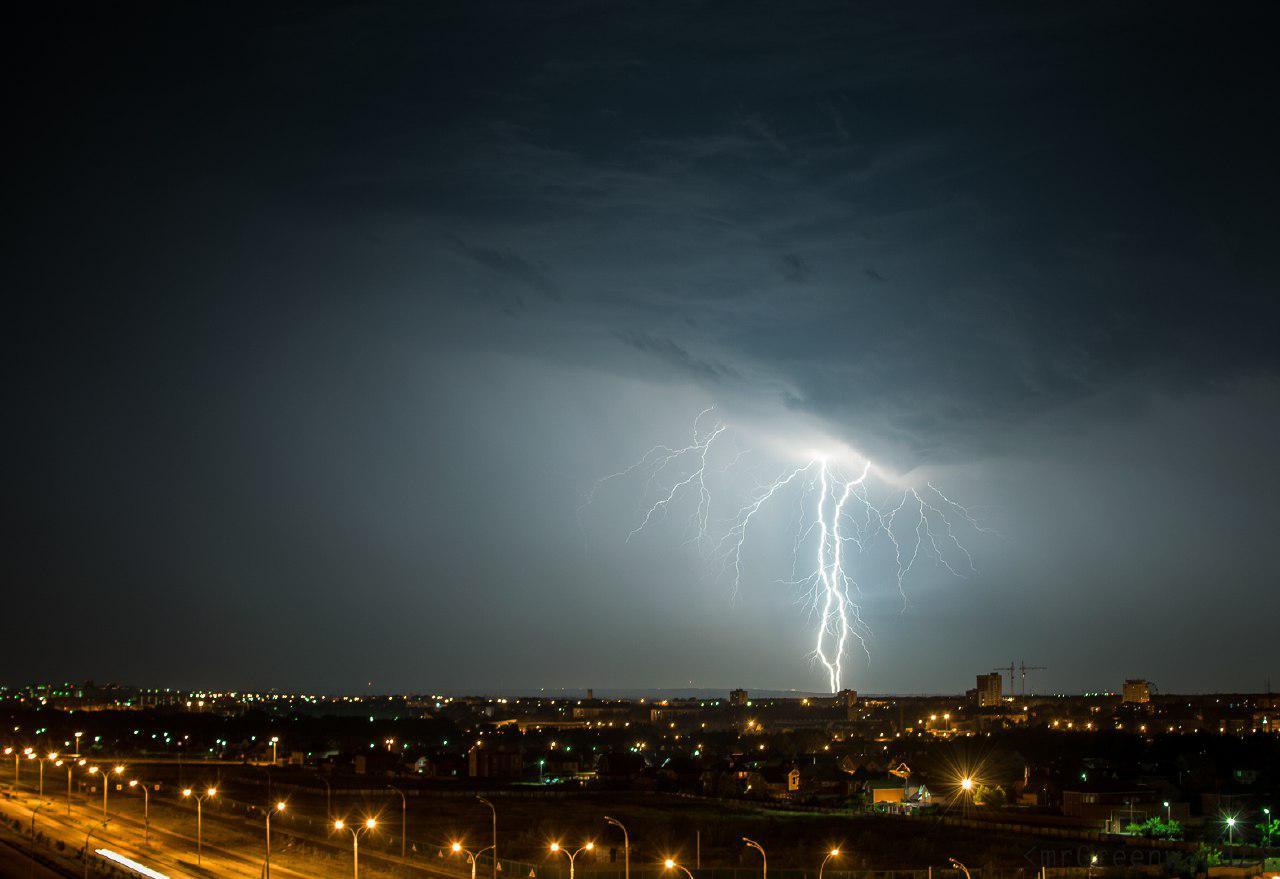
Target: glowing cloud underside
(836, 510)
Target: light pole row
(369, 824)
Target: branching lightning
(836, 510)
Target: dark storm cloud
(795, 269)
(317, 301)
(1001, 214)
(669, 352)
(513, 266)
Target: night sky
(323, 320)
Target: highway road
(170, 853)
(233, 847)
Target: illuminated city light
(130, 864)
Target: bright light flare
(129, 864)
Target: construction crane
(1026, 668)
(1014, 669)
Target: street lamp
(456, 848)
(32, 850)
(764, 859)
(275, 740)
(51, 756)
(1231, 830)
(104, 775)
(961, 867)
(78, 735)
(626, 847)
(670, 864)
(1168, 813)
(495, 835)
(834, 853)
(200, 798)
(367, 826)
(87, 837)
(68, 765)
(328, 796)
(404, 817)
(966, 793)
(14, 753)
(146, 807)
(267, 864)
(572, 856)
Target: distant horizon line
(598, 692)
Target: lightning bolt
(835, 509)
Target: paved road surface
(170, 853)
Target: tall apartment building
(990, 690)
(1137, 690)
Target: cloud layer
(369, 294)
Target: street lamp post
(200, 798)
(1231, 831)
(77, 737)
(670, 864)
(267, 864)
(275, 740)
(51, 756)
(764, 859)
(572, 856)
(16, 757)
(32, 850)
(87, 837)
(368, 825)
(626, 847)
(68, 765)
(457, 848)
(961, 867)
(494, 846)
(104, 775)
(404, 817)
(146, 810)
(1168, 813)
(834, 853)
(967, 787)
